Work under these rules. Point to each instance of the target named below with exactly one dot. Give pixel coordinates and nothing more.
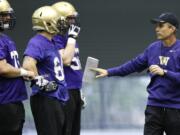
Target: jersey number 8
(58, 69)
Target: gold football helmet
(65, 9)
(68, 15)
(7, 18)
(45, 18)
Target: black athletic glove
(44, 84)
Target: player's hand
(83, 101)
(155, 69)
(73, 31)
(27, 75)
(40, 81)
(44, 84)
(30, 76)
(101, 72)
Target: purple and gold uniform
(49, 64)
(11, 89)
(73, 73)
(164, 91)
(73, 76)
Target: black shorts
(12, 117)
(160, 120)
(48, 115)
(73, 113)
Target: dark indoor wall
(112, 30)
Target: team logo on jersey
(163, 60)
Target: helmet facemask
(73, 19)
(7, 17)
(64, 23)
(62, 26)
(7, 21)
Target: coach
(162, 59)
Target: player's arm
(67, 53)
(7, 70)
(29, 63)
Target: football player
(69, 50)
(12, 86)
(49, 88)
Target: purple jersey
(49, 64)
(164, 91)
(11, 89)
(73, 73)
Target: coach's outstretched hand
(101, 72)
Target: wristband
(72, 36)
(23, 72)
(71, 40)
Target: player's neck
(47, 35)
(169, 41)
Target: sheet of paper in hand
(89, 75)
